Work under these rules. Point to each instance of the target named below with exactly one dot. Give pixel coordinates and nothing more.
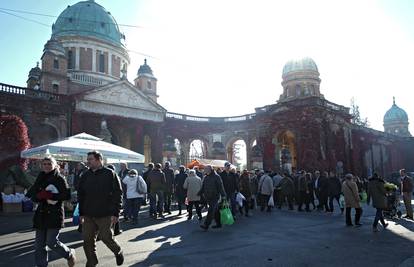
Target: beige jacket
(351, 195)
(193, 185)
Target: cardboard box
(12, 207)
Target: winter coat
(179, 180)
(169, 178)
(334, 186)
(156, 179)
(287, 186)
(212, 187)
(145, 177)
(302, 184)
(377, 192)
(406, 184)
(230, 182)
(48, 216)
(100, 193)
(254, 185)
(266, 185)
(131, 186)
(244, 186)
(351, 196)
(193, 185)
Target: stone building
(81, 86)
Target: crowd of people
(103, 193)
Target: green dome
(395, 114)
(88, 19)
(302, 64)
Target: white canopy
(75, 148)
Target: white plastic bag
(239, 199)
(271, 203)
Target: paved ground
(281, 238)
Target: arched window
(55, 88)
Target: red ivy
(14, 139)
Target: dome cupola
(396, 121)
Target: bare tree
(356, 115)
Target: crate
(12, 207)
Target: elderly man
(407, 192)
(212, 189)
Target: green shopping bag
(226, 217)
(363, 197)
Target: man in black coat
(180, 192)
(99, 196)
(231, 185)
(169, 186)
(335, 189)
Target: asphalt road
(279, 238)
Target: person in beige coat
(193, 185)
(351, 196)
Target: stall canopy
(75, 148)
(201, 163)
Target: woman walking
(350, 190)
(377, 192)
(49, 191)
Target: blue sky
(233, 52)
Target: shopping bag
(226, 217)
(239, 199)
(76, 218)
(271, 203)
(363, 197)
(342, 201)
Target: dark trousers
(323, 202)
(197, 207)
(246, 206)
(167, 201)
(213, 212)
(152, 201)
(286, 197)
(264, 200)
(304, 198)
(156, 202)
(331, 200)
(48, 238)
(180, 202)
(379, 216)
(134, 205)
(91, 227)
(358, 213)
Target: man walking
(156, 180)
(99, 205)
(169, 186)
(407, 192)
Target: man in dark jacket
(180, 192)
(150, 167)
(212, 188)
(287, 191)
(231, 185)
(156, 179)
(169, 186)
(100, 195)
(323, 192)
(407, 192)
(335, 188)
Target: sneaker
(72, 258)
(216, 226)
(119, 258)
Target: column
(93, 60)
(77, 56)
(109, 63)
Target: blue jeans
(134, 205)
(50, 238)
(156, 202)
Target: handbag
(226, 217)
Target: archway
(286, 151)
(198, 149)
(237, 153)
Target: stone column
(77, 57)
(109, 63)
(93, 60)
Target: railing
(16, 90)
(85, 79)
(209, 119)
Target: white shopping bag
(271, 203)
(239, 199)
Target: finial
(145, 61)
(393, 100)
(37, 64)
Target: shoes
(349, 224)
(72, 258)
(358, 224)
(385, 225)
(118, 232)
(204, 227)
(375, 229)
(119, 258)
(216, 226)
(408, 217)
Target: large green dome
(88, 19)
(395, 114)
(303, 64)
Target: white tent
(75, 148)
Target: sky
(225, 57)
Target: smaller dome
(35, 72)
(145, 69)
(395, 114)
(54, 47)
(303, 64)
